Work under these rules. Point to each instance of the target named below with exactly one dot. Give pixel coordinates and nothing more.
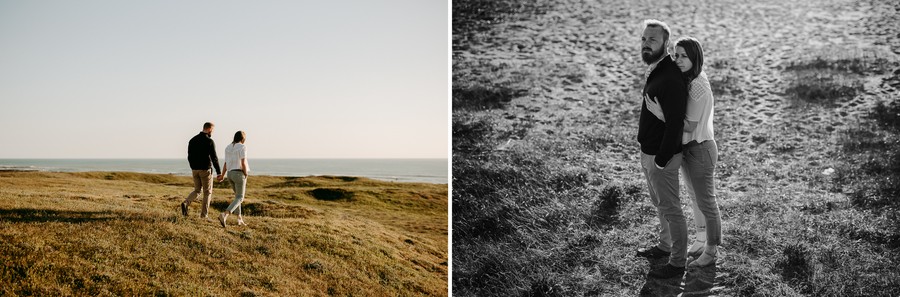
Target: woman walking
(236, 168)
(700, 151)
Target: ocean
(401, 170)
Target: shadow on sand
(32, 215)
(696, 282)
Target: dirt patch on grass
(331, 194)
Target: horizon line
(261, 158)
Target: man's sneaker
(667, 271)
(652, 253)
(183, 209)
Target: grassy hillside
(548, 194)
(115, 233)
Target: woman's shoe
(706, 259)
(696, 250)
(222, 219)
(241, 222)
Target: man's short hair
(208, 125)
(659, 24)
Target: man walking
(661, 148)
(202, 156)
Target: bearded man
(661, 148)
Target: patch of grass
(269, 208)
(752, 277)
(822, 86)
(887, 115)
(80, 234)
(165, 179)
(796, 266)
(526, 219)
(308, 181)
(544, 287)
(471, 135)
(480, 97)
(605, 209)
(724, 85)
(829, 77)
(870, 165)
(858, 62)
(476, 188)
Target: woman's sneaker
(707, 259)
(695, 250)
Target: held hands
(653, 107)
(220, 177)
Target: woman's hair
(239, 136)
(695, 53)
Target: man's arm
(213, 157)
(674, 103)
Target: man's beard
(652, 56)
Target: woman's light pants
(239, 184)
(698, 166)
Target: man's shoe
(667, 271)
(652, 253)
(183, 209)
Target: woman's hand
(653, 107)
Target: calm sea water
(403, 170)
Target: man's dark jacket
(202, 153)
(663, 139)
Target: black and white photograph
(675, 148)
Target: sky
(303, 79)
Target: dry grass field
(122, 234)
(548, 196)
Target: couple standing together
(675, 132)
(202, 158)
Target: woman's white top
(700, 110)
(234, 152)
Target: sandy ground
(587, 56)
